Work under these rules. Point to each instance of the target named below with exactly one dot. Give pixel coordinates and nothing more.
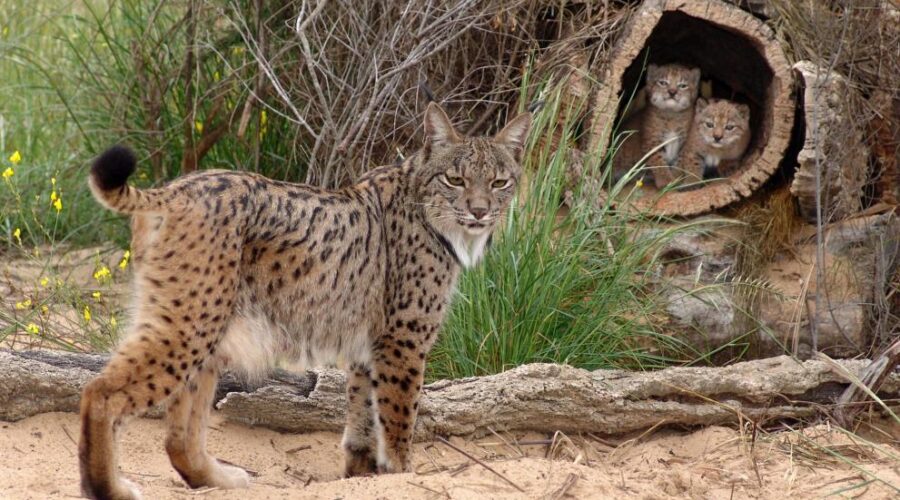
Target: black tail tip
(113, 167)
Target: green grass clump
(77, 76)
(567, 287)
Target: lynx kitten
(717, 140)
(236, 271)
(671, 91)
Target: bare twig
(479, 462)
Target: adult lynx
(237, 271)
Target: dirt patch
(38, 459)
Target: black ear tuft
(112, 168)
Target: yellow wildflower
(45, 310)
(32, 329)
(8, 172)
(58, 205)
(25, 304)
(216, 76)
(199, 126)
(15, 158)
(53, 181)
(124, 263)
(18, 235)
(112, 321)
(263, 118)
(53, 195)
(87, 313)
(96, 295)
(639, 183)
(102, 273)
(45, 281)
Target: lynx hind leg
(187, 417)
(359, 435)
(105, 402)
(181, 313)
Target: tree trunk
(539, 397)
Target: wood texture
(833, 146)
(539, 397)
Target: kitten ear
(438, 129)
(651, 70)
(702, 102)
(744, 111)
(695, 75)
(514, 134)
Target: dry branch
(539, 397)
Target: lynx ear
(651, 71)
(744, 111)
(702, 103)
(438, 129)
(514, 134)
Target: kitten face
(467, 183)
(721, 123)
(672, 87)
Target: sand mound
(39, 460)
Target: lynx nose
(717, 137)
(673, 92)
(478, 212)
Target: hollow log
(742, 59)
(539, 397)
(834, 146)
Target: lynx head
(721, 123)
(672, 87)
(465, 184)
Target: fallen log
(538, 397)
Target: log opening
(741, 58)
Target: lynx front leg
(359, 435)
(397, 383)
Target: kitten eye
(454, 180)
(682, 86)
(729, 127)
(500, 183)
(662, 83)
(708, 124)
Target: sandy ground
(38, 460)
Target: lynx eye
(662, 83)
(454, 180)
(729, 127)
(682, 86)
(500, 183)
(708, 124)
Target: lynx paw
(228, 476)
(359, 462)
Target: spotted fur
(236, 271)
